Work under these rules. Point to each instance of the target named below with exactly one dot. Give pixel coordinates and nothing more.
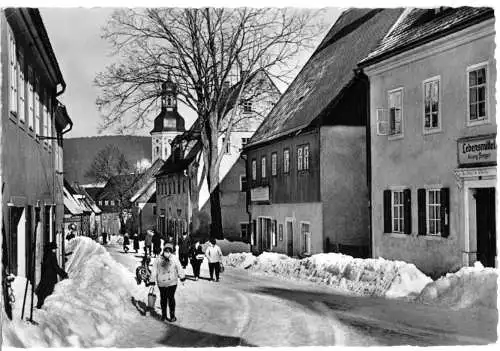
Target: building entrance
(485, 224)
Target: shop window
(397, 211)
(432, 105)
(477, 94)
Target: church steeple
(169, 94)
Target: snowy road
(256, 310)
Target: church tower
(168, 124)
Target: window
(254, 169)
(433, 205)
(274, 163)
(37, 107)
(245, 230)
(227, 149)
(31, 112)
(154, 210)
(397, 212)
(306, 157)
(45, 115)
(286, 161)
(274, 234)
(243, 182)
(247, 106)
(263, 164)
(112, 202)
(106, 202)
(306, 237)
(431, 104)
(433, 211)
(299, 159)
(396, 112)
(244, 141)
(477, 93)
(13, 72)
(21, 88)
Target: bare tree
(109, 162)
(204, 49)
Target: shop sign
(477, 151)
(259, 194)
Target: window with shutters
(477, 81)
(13, 75)
(396, 112)
(397, 212)
(274, 164)
(432, 113)
(254, 169)
(31, 102)
(433, 211)
(286, 161)
(21, 88)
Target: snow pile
(468, 288)
(365, 277)
(227, 247)
(242, 260)
(115, 239)
(86, 310)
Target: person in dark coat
(104, 238)
(135, 238)
(126, 242)
(184, 248)
(50, 271)
(196, 257)
(156, 244)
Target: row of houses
(385, 143)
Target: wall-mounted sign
(259, 194)
(477, 150)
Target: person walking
(135, 238)
(184, 248)
(126, 242)
(104, 238)
(196, 257)
(50, 271)
(156, 240)
(148, 240)
(214, 256)
(166, 272)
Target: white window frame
(392, 135)
(37, 106)
(300, 159)
(106, 203)
(486, 120)
(437, 129)
(305, 155)
(254, 169)
(21, 88)
(112, 202)
(306, 236)
(400, 205)
(428, 189)
(274, 164)
(263, 166)
(13, 75)
(286, 161)
(241, 181)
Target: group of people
(152, 243)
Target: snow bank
(227, 247)
(86, 310)
(365, 277)
(115, 239)
(470, 287)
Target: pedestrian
(214, 256)
(135, 238)
(148, 240)
(104, 238)
(196, 258)
(156, 240)
(72, 232)
(184, 248)
(126, 242)
(50, 271)
(166, 272)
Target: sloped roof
(422, 25)
(147, 179)
(353, 36)
(119, 184)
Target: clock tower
(168, 124)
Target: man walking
(166, 272)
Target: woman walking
(166, 272)
(214, 256)
(156, 243)
(196, 257)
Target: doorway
(485, 224)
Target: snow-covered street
(252, 309)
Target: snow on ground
(470, 287)
(227, 247)
(365, 277)
(84, 310)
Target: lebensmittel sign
(478, 150)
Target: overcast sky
(75, 35)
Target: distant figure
(50, 271)
(156, 243)
(72, 232)
(184, 248)
(135, 238)
(148, 240)
(196, 257)
(214, 256)
(166, 272)
(126, 242)
(143, 273)
(104, 238)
